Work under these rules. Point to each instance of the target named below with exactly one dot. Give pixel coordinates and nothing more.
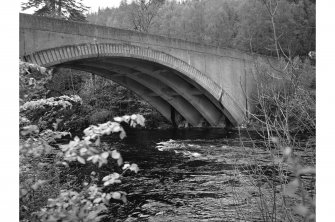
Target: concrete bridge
(203, 84)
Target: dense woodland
(246, 25)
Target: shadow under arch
(219, 104)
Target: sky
(93, 4)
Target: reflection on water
(193, 175)
(149, 136)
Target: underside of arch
(161, 79)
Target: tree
(270, 27)
(142, 12)
(73, 10)
(272, 6)
(254, 30)
(222, 21)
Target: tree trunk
(59, 8)
(275, 35)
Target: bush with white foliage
(42, 159)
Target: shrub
(36, 153)
(32, 81)
(285, 102)
(45, 164)
(46, 112)
(285, 112)
(100, 116)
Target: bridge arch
(163, 80)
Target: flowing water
(196, 175)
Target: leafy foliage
(32, 81)
(73, 10)
(142, 12)
(295, 188)
(66, 82)
(244, 25)
(40, 150)
(74, 206)
(47, 113)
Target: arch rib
(161, 105)
(183, 107)
(49, 57)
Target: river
(199, 175)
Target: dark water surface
(194, 175)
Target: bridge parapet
(98, 33)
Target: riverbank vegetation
(285, 120)
(65, 181)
